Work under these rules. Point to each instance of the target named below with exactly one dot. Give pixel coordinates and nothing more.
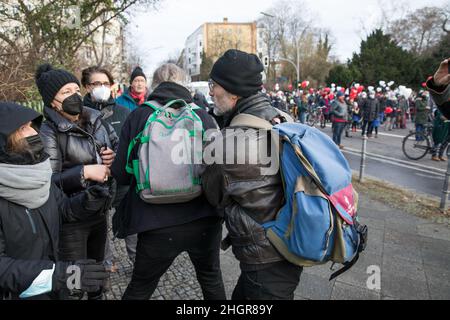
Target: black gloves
(96, 198)
(85, 275)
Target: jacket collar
(88, 102)
(257, 105)
(64, 125)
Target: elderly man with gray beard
(245, 194)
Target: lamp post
(296, 66)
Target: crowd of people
(63, 173)
(366, 109)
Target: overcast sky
(160, 34)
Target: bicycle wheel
(323, 122)
(311, 120)
(416, 146)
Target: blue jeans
(338, 128)
(419, 128)
(302, 117)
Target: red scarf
(139, 97)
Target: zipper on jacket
(33, 226)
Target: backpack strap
(155, 105)
(248, 120)
(347, 266)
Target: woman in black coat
(81, 148)
(98, 82)
(31, 211)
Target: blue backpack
(318, 222)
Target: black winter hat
(49, 81)
(12, 117)
(238, 73)
(137, 72)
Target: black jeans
(277, 282)
(368, 125)
(157, 249)
(83, 240)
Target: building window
(189, 60)
(200, 44)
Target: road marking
(430, 177)
(396, 163)
(398, 160)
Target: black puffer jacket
(29, 238)
(70, 147)
(246, 198)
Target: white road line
(429, 177)
(396, 163)
(398, 160)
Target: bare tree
(291, 33)
(56, 30)
(420, 30)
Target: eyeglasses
(99, 84)
(211, 84)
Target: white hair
(169, 72)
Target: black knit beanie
(49, 81)
(137, 72)
(238, 73)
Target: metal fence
(36, 105)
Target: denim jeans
(338, 129)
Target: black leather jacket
(245, 197)
(71, 147)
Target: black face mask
(73, 105)
(34, 153)
(36, 147)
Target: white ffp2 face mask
(101, 94)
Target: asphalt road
(386, 161)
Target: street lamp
(267, 15)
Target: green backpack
(169, 163)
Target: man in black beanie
(137, 93)
(246, 194)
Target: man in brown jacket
(246, 194)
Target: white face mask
(101, 94)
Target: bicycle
(417, 145)
(316, 116)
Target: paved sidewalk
(412, 253)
